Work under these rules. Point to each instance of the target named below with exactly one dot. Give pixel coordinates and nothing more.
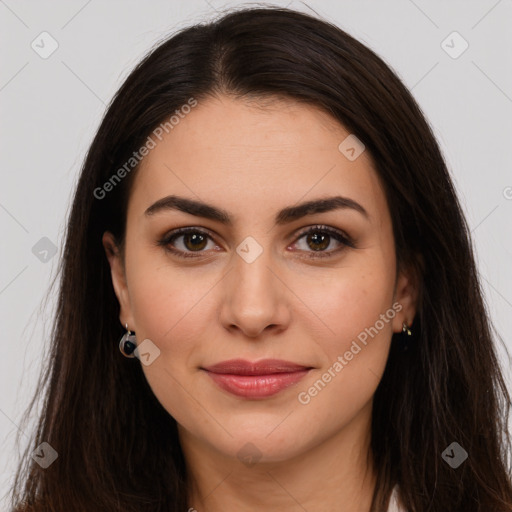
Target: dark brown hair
(118, 448)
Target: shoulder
(394, 503)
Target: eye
(318, 238)
(191, 242)
(194, 240)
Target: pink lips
(259, 379)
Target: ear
(407, 293)
(118, 274)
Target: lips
(263, 367)
(256, 380)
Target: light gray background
(50, 109)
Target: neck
(335, 475)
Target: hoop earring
(405, 336)
(128, 343)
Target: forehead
(250, 155)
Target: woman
(265, 227)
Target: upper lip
(262, 367)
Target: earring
(128, 343)
(406, 335)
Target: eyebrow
(284, 216)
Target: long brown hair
(118, 448)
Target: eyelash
(339, 236)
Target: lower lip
(256, 386)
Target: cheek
(358, 312)
(171, 310)
(170, 306)
(355, 310)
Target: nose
(255, 297)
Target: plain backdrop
(51, 107)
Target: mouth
(256, 380)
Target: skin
(253, 159)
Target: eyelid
(176, 233)
(342, 237)
(339, 235)
(326, 229)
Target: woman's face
(255, 284)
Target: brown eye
(191, 242)
(186, 242)
(318, 241)
(194, 241)
(318, 238)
